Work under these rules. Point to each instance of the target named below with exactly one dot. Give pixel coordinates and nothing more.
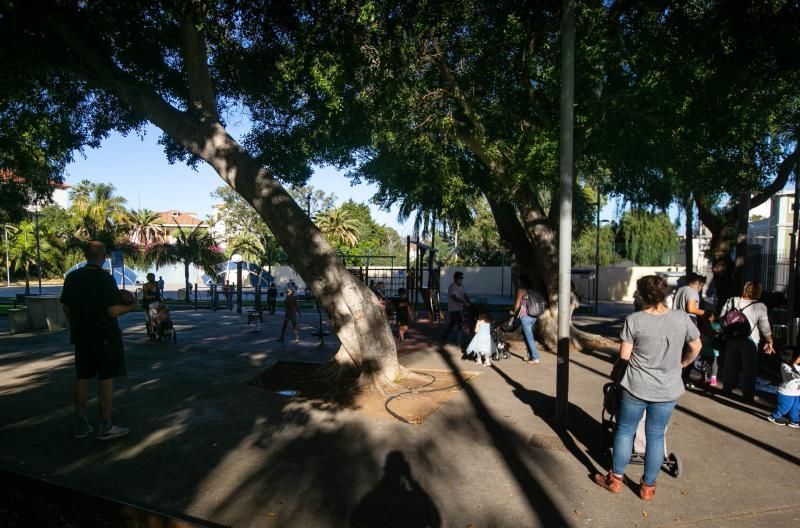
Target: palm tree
(196, 247)
(22, 251)
(338, 226)
(261, 249)
(143, 229)
(94, 206)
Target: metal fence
(769, 268)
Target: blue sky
(139, 171)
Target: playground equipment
(418, 275)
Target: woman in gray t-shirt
(653, 345)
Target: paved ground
(205, 443)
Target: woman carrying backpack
(528, 305)
(743, 319)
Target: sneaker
(610, 481)
(690, 385)
(712, 381)
(82, 431)
(109, 433)
(776, 422)
(487, 363)
(794, 425)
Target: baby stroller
(501, 345)
(612, 397)
(163, 329)
(149, 320)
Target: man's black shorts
(102, 358)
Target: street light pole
(8, 265)
(38, 255)
(308, 205)
(597, 260)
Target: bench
(252, 315)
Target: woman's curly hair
(652, 290)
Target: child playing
(789, 390)
(481, 345)
(709, 330)
(291, 312)
(403, 313)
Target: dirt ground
(412, 403)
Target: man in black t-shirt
(272, 298)
(92, 304)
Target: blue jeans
(527, 330)
(630, 413)
(788, 405)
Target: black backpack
(735, 324)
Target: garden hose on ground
(415, 390)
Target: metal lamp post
(8, 265)
(237, 258)
(597, 261)
(38, 255)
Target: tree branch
(455, 88)
(784, 170)
(195, 59)
(99, 70)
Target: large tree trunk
(367, 346)
(535, 252)
(689, 238)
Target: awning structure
(130, 275)
(251, 275)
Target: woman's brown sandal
(610, 481)
(647, 491)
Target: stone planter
(18, 320)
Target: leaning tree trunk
(535, 251)
(367, 345)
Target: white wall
(486, 280)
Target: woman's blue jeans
(527, 330)
(630, 413)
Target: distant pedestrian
(687, 300)
(457, 299)
(741, 347)
(291, 286)
(291, 311)
(482, 345)
(789, 390)
(403, 313)
(92, 304)
(272, 298)
(161, 286)
(653, 346)
(528, 306)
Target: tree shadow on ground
(580, 425)
(507, 444)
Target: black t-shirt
(89, 292)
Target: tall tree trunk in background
(742, 222)
(27, 279)
(689, 208)
(534, 251)
(186, 282)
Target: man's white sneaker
(112, 432)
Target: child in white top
(789, 390)
(482, 345)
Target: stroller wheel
(675, 465)
(505, 355)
